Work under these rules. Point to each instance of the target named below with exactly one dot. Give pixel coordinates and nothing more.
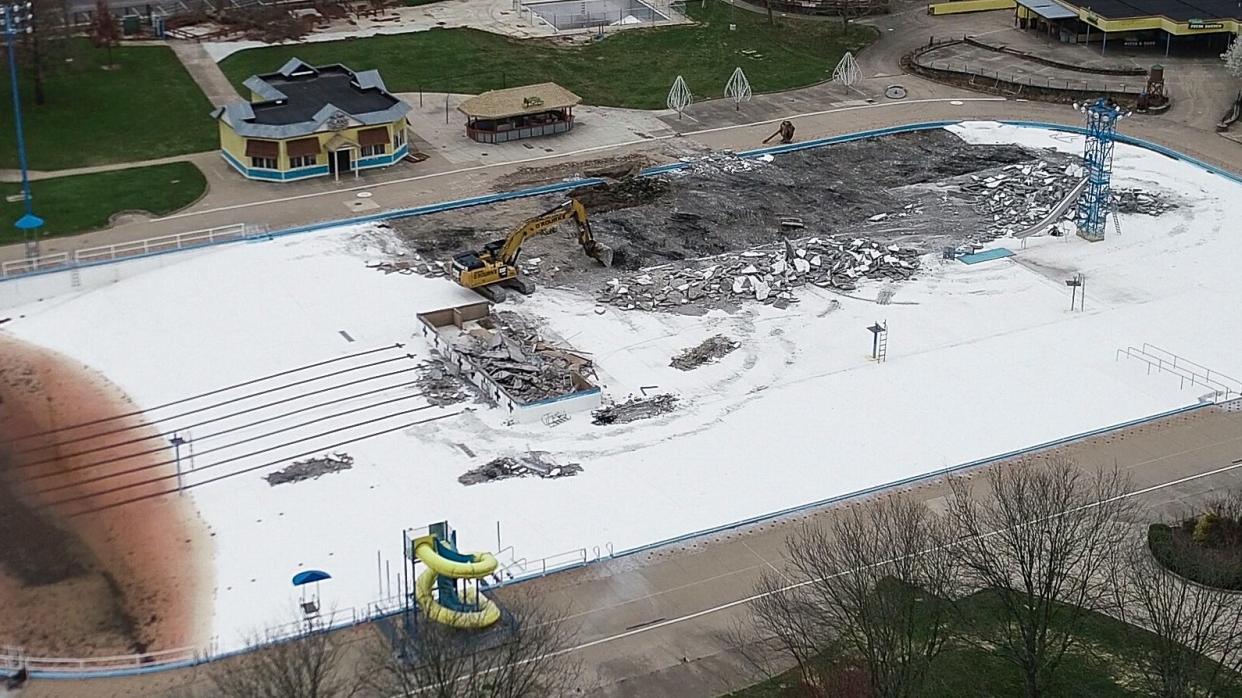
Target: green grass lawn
(632, 68)
(80, 203)
(1104, 667)
(147, 108)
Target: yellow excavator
(494, 268)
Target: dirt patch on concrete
(134, 578)
(707, 351)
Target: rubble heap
(634, 409)
(515, 356)
(720, 162)
(1019, 196)
(439, 385)
(767, 274)
(531, 463)
(707, 351)
(310, 469)
(1139, 201)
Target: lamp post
(16, 18)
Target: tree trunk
(771, 17)
(36, 65)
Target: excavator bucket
(600, 252)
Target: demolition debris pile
(634, 409)
(1139, 201)
(515, 355)
(441, 386)
(903, 189)
(310, 469)
(529, 464)
(765, 275)
(1020, 196)
(706, 352)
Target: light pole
(16, 17)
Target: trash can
(130, 25)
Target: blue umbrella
(310, 576)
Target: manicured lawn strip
(148, 107)
(85, 202)
(632, 68)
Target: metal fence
(563, 15)
(63, 261)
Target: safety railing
(12, 659)
(1189, 372)
(129, 250)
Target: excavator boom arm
(532, 227)
(548, 220)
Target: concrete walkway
(196, 158)
(202, 67)
(654, 624)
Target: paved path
(199, 159)
(202, 67)
(652, 624)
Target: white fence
(61, 261)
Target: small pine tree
(1205, 529)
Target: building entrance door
(340, 162)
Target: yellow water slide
(473, 567)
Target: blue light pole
(16, 17)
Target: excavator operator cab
(467, 261)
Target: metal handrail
(1172, 365)
(127, 250)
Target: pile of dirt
(529, 464)
(705, 352)
(310, 469)
(609, 168)
(625, 193)
(634, 409)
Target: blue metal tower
(1096, 199)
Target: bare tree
(784, 628)
(104, 31)
(306, 666)
(1041, 540)
(1196, 651)
(868, 592)
(523, 656)
(44, 46)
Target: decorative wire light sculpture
(847, 72)
(738, 88)
(679, 97)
